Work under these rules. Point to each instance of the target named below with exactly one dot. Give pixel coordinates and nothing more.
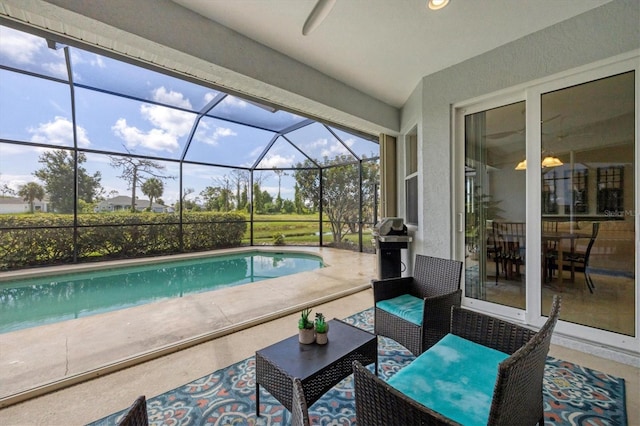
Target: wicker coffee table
(319, 367)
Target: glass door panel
(495, 189)
(588, 198)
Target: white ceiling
(365, 42)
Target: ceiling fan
(323, 7)
(563, 137)
(317, 15)
(501, 135)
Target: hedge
(47, 239)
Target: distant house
(18, 205)
(123, 203)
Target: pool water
(44, 300)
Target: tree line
(342, 184)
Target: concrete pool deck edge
(345, 273)
(166, 350)
(92, 266)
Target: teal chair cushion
(455, 377)
(407, 307)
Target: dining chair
(136, 414)
(578, 261)
(510, 241)
(549, 249)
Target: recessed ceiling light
(437, 4)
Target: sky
(155, 117)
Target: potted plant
(306, 333)
(322, 328)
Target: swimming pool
(44, 300)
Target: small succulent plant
(320, 323)
(303, 322)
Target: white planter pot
(306, 336)
(322, 338)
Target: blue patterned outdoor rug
(573, 395)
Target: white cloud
(58, 69)
(232, 102)
(18, 46)
(276, 160)
(16, 181)
(155, 139)
(202, 135)
(349, 142)
(95, 61)
(223, 132)
(58, 132)
(208, 97)
(10, 149)
(170, 97)
(326, 148)
(272, 190)
(98, 159)
(319, 143)
(98, 62)
(257, 151)
(195, 170)
(26, 49)
(335, 149)
(171, 121)
(170, 124)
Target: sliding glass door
(588, 202)
(495, 199)
(549, 203)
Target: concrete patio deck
(54, 354)
(339, 293)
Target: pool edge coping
(36, 272)
(168, 349)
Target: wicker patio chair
(299, 409)
(517, 393)
(136, 414)
(430, 292)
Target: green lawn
(297, 229)
(301, 227)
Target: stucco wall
(604, 32)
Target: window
(577, 187)
(570, 191)
(610, 196)
(411, 177)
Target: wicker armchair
(432, 290)
(299, 409)
(136, 414)
(517, 392)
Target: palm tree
(30, 192)
(152, 188)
